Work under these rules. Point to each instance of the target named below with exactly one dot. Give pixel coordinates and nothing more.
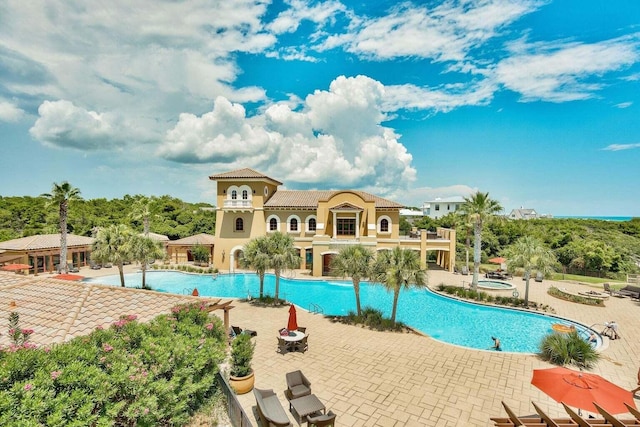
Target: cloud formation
(10, 112)
(334, 138)
(621, 147)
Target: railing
(315, 308)
(236, 414)
(238, 204)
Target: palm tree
(111, 245)
(464, 223)
(61, 195)
(283, 256)
(143, 249)
(142, 209)
(529, 253)
(356, 262)
(396, 269)
(256, 256)
(478, 208)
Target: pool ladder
(315, 308)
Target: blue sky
(535, 102)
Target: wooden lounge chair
(519, 421)
(297, 385)
(270, 410)
(322, 420)
(609, 418)
(633, 411)
(581, 421)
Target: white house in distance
(523, 213)
(442, 206)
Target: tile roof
(59, 310)
(157, 237)
(245, 173)
(44, 241)
(202, 238)
(310, 198)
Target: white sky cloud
(560, 72)
(335, 140)
(620, 147)
(9, 112)
(624, 105)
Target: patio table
(297, 336)
(306, 405)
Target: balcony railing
(238, 204)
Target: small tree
(200, 253)
(256, 256)
(241, 355)
(564, 349)
(529, 253)
(356, 262)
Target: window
(239, 224)
(346, 226)
(384, 225)
(448, 207)
(437, 207)
(234, 195)
(312, 224)
(273, 224)
(293, 224)
(245, 194)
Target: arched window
(234, 195)
(293, 224)
(239, 224)
(273, 224)
(312, 224)
(384, 225)
(245, 194)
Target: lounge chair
(322, 420)
(633, 411)
(283, 346)
(539, 276)
(630, 291)
(550, 421)
(297, 385)
(514, 420)
(270, 410)
(609, 418)
(579, 420)
(237, 330)
(465, 270)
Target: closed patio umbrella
(292, 325)
(581, 389)
(15, 267)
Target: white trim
(329, 253)
(306, 223)
(296, 217)
(389, 224)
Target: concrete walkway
(389, 379)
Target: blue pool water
(442, 318)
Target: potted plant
(241, 377)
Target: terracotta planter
(242, 385)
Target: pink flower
(132, 317)
(132, 377)
(99, 327)
(55, 374)
(146, 411)
(209, 326)
(27, 331)
(106, 347)
(28, 387)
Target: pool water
(443, 318)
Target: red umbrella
(581, 389)
(14, 267)
(293, 319)
(498, 260)
(68, 277)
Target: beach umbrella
(292, 325)
(15, 267)
(498, 260)
(581, 389)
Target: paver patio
(380, 378)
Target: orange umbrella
(293, 318)
(14, 267)
(581, 389)
(498, 260)
(68, 277)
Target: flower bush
(129, 374)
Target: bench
(270, 410)
(630, 291)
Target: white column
(357, 225)
(335, 225)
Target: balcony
(237, 205)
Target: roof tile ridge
(75, 311)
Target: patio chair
(297, 385)
(302, 329)
(609, 418)
(539, 276)
(302, 345)
(283, 346)
(322, 420)
(611, 291)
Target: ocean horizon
(599, 218)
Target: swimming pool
(495, 285)
(445, 319)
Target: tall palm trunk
(261, 275)
(356, 288)
(477, 242)
(396, 294)
(63, 236)
(277, 273)
(527, 276)
(467, 246)
(121, 271)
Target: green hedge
(555, 292)
(131, 374)
(482, 296)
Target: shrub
(128, 374)
(564, 349)
(241, 355)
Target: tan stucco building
(249, 204)
(42, 251)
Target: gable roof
(157, 237)
(245, 173)
(44, 241)
(198, 239)
(309, 199)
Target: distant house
(411, 214)
(42, 251)
(179, 251)
(526, 214)
(442, 206)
